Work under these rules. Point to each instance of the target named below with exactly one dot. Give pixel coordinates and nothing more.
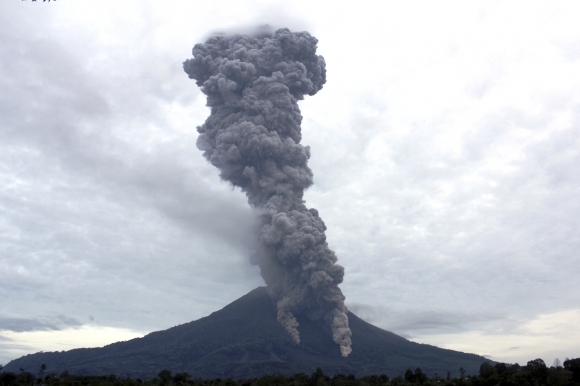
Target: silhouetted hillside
(244, 340)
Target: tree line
(534, 373)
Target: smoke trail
(253, 84)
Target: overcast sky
(445, 151)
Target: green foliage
(420, 377)
(573, 365)
(165, 376)
(409, 376)
(486, 370)
(397, 380)
(558, 376)
(537, 371)
(272, 380)
(534, 373)
(181, 378)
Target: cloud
(266, 20)
(58, 322)
(102, 186)
(413, 322)
(547, 336)
(26, 342)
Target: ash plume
(253, 85)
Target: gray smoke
(253, 85)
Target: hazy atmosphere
(445, 149)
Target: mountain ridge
(245, 340)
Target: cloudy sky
(445, 150)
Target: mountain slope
(244, 340)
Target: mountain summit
(244, 340)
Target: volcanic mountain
(244, 340)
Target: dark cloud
(413, 322)
(58, 322)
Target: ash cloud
(253, 85)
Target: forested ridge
(534, 373)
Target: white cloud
(18, 344)
(548, 336)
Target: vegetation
(534, 373)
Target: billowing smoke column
(253, 84)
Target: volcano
(245, 340)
